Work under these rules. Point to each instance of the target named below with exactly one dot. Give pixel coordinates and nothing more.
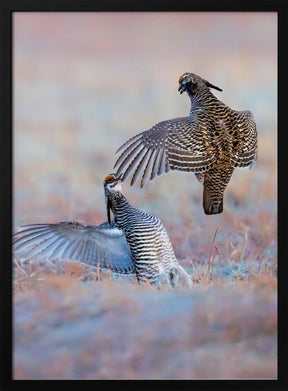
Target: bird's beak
(182, 87)
(183, 80)
(119, 177)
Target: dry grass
(76, 99)
(72, 322)
(65, 329)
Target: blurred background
(83, 83)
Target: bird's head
(112, 189)
(111, 182)
(192, 83)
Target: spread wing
(103, 245)
(177, 144)
(245, 140)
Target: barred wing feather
(245, 152)
(102, 245)
(176, 144)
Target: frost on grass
(65, 329)
(76, 322)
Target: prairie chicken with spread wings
(211, 142)
(134, 243)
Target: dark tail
(211, 206)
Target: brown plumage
(211, 142)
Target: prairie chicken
(211, 142)
(152, 252)
(134, 243)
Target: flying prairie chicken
(134, 243)
(211, 142)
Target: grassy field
(222, 329)
(85, 83)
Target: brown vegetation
(76, 99)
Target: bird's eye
(109, 178)
(183, 78)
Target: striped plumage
(134, 243)
(102, 246)
(150, 246)
(211, 142)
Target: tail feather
(179, 278)
(210, 205)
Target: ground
(84, 84)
